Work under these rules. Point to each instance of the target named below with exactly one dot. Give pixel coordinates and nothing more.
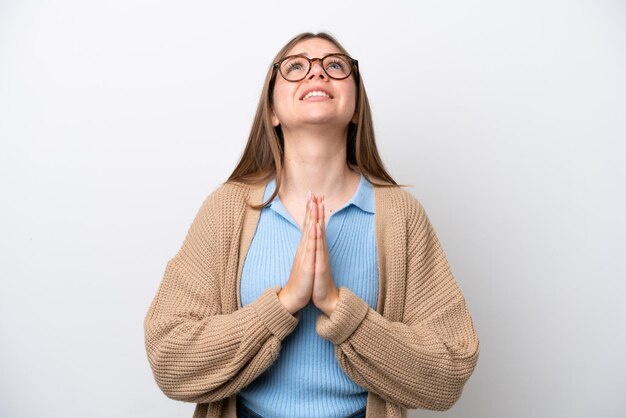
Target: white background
(117, 118)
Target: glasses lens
(337, 66)
(294, 68)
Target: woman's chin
(325, 118)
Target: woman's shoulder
(221, 212)
(233, 194)
(231, 197)
(397, 201)
(401, 212)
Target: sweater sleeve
(197, 353)
(424, 360)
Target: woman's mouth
(316, 93)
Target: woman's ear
(355, 117)
(274, 118)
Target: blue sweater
(306, 379)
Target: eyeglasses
(297, 67)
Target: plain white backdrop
(117, 119)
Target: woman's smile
(316, 93)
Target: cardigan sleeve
(423, 360)
(198, 353)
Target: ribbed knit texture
(306, 377)
(415, 350)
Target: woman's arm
(198, 353)
(424, 360)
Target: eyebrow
(307, 54)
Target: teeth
(316, 94)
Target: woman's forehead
(314, 47)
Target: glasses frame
(354, 63)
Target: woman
(310, 284)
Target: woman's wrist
(288, 302)
(330, 303)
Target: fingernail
(308, 196)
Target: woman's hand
(310, 277)
(297, 292)
(325, 293)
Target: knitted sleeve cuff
(347, 316)
(274, 314)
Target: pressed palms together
(310, 278)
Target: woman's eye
(336, 65)
(294, 66)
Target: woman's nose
(316, 69)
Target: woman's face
(295, 107)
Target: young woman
(310, 284)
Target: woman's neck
(317, 164)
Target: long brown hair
(263, 156)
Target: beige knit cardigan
(416, 350)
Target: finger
(320, 214)
(308, 260)
(323, 223)
(319, 245)
(303, 238)
(308, 232)
(313, 212)
(320, 255)
(307, 211)
(305, 225)
(320, 217)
